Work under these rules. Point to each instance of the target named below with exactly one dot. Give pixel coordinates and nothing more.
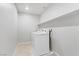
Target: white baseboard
(25, 42)
(56, 53)
(52, 53)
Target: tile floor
(24, 49)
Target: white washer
(40, 43)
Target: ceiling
(33, 8)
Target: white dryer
(40, 41)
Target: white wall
(71, 19)
(58, 9)
(27, 24)
(66, 33)
(8, 29)
(66, 40)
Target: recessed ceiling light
(27, 8)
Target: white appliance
(40, 41)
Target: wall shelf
(56, 18)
